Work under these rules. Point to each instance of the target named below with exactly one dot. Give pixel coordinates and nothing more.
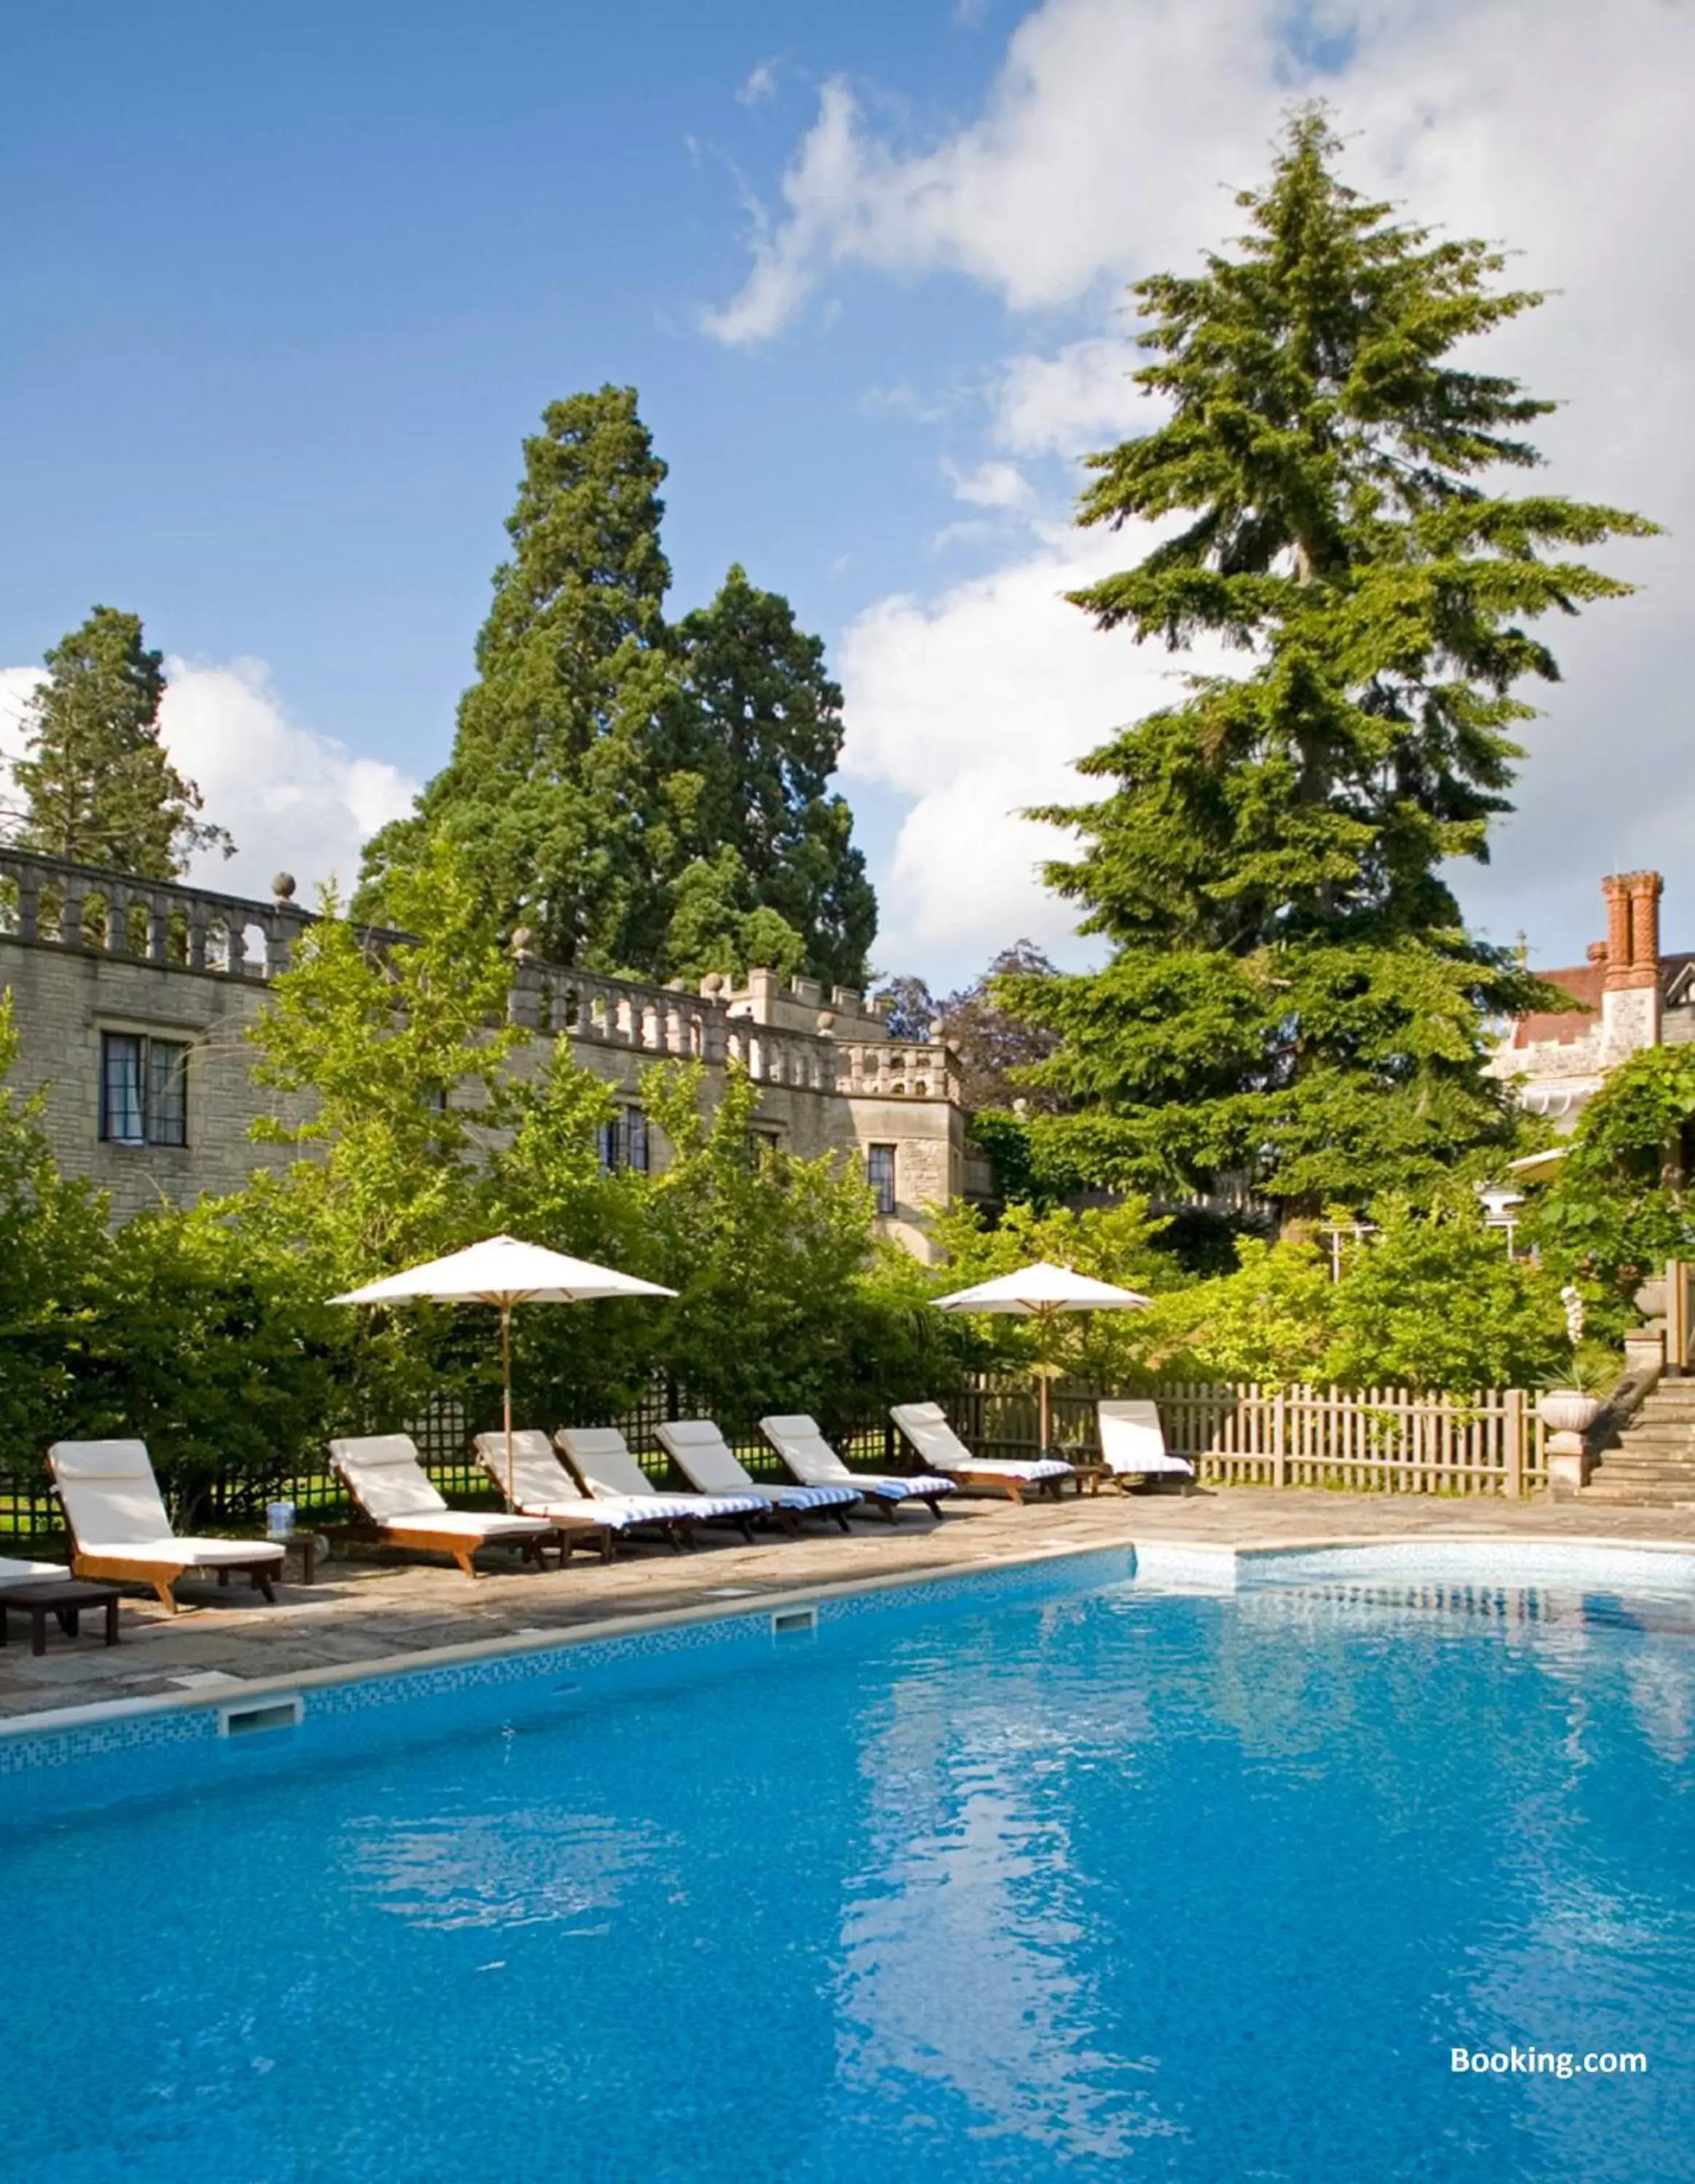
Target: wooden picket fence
(1392, 1440)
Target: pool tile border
(65, 1736)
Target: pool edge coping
(241, 1690)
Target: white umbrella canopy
(503, 1272)
(1041, 1287)
(1041, 1292)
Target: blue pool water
(1044, 1878)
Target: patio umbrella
(1042, 1292)
(503, 1272)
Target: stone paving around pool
(366, 1612)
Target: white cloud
(991, 485)
(1080, 398)
(816, 191)
(1107, 148)
(974, 706)
(761, 85)
(294, 801)
(1108, 132)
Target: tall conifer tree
(98, 784)
(643, 799)
(765, 730)
(1291, 992)
(553, 789)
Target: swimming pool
(1060, 1874)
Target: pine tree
(766, 729)
(555, 791)
(99, 785)
(1291, 992)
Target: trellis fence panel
(1392, 1440)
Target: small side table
(303, 1544)
(64, 1598)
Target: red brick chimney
(1632, 960)
(1632, 930)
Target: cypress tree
(98, 784)
(1291, 993)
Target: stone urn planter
(1569, 1410)
(1650, 1299)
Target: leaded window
(143, 1089)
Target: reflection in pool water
(1058, 1883)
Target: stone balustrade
(50, 902)
(667, 1022)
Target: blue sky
(287, 289)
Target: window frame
(886, 1187)
(623, 1143)
(156, 1093)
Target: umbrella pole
(506, 1388)
(1044, 1321)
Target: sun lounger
(14, 1571)
(810, 1457)
(542, 1487)
(382, 1474)
(601, 1459)
(120, 1530)
(1133, 1444)
(926, 1427)
(707, 1462)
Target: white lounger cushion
(116, 1510)
(602, 1455)
(809, 1456)
(1133, 1441)
(389, 1483)
(14, 1571)
(707, 1461)
(926, 1426)
(192, 1553)
(542, 1487)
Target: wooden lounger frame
(1015, 1489)
(463, 1551)
(163, 1577)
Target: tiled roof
(1585, 983)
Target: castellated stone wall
(84, 954)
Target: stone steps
(1654, 1464)
(1630, 1496)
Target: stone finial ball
(522, 940)
(282, 887)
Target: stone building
(132, 1000)
(1628, 995)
